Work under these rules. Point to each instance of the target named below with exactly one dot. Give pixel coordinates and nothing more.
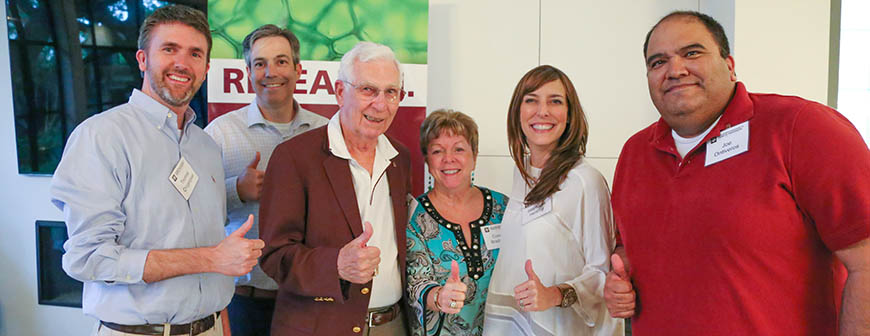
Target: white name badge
(729, 143)
(491, 236)
(531, 213)
(183, 178)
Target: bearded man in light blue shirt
(141, 188)
(247, 137)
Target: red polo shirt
(744, 246)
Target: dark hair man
(737, 209)
(140, 186)
(247, 137)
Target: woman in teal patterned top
(450, 255)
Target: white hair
(366, 52)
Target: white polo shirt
(375, 207)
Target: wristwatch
(569, 296)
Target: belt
(256, 293)
(381, 316)
(192, 328)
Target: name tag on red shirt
(728, 144)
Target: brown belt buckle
(195, 327)
(199, 326)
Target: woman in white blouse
(557, 232)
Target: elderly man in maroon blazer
(333, 211)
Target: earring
(472, 178)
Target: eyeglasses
(368, 91)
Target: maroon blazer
(308, 212)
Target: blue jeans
(250, 316)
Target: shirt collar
(255, 116)
(158, 113)
(338, 147)
(738, 110)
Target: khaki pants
(217, 330)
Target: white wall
(478, 50)
(781, 46)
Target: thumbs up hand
(451, 296)
(532, 295)
(249, 185)
(619, 294)
(236, 255)
(358, 262)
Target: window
(853, 96)
(71, 60)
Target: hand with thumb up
(619, 294)
(237, 255)
(357, 262)
(532, 295)
(451, 297)
(249, 184)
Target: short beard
(165, 94)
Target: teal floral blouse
(433, 243)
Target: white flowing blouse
(569, 240)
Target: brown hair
(175, 14)
(455, 122)
(571, 145)
(268, 30)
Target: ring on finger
(453, 304)
(521, 303)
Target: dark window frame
(49, 125)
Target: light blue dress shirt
(112, 185)
(241, 134)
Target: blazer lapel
(338, 173)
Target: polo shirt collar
(157, 113)
(739, 109)
(338, 147)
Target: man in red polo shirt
(737, 210)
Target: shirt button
(364, 291)
(357, 329)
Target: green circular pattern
(326, 29)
